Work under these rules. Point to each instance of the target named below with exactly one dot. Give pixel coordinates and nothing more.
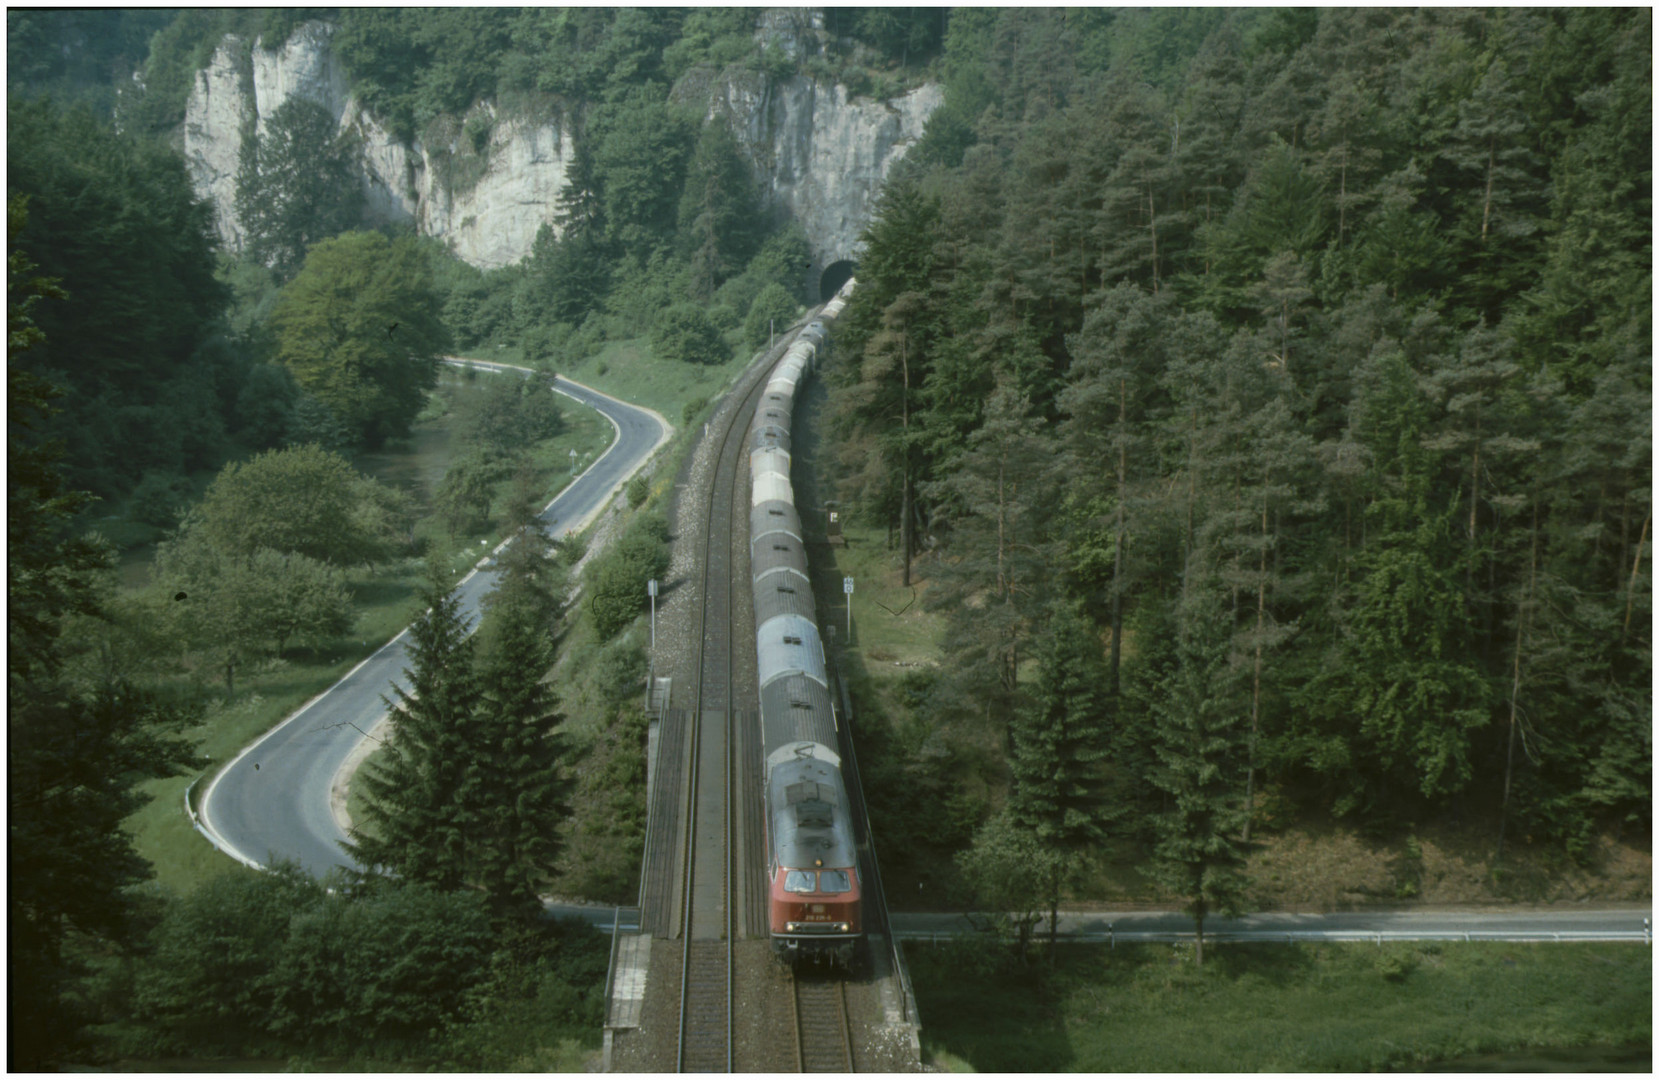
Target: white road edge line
(204, 823)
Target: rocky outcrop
(487, 203)
(515, 188)
(303, 67)
(219, 105)
(819, 155)
(822, 155)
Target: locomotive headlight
(846, 927)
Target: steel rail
(709, 640)
(823, 1037)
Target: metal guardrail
(907, 998)
(1378, 937)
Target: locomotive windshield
(828, 881)
(832, 881)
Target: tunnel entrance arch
(834, 276)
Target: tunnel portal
(834, 276)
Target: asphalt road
(273, 800)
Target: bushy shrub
(724, 317)
(541, 1000)
(773, 309)
(618, 580)
(684, 332)
(210, 977)
(511, 414)
(620, 670)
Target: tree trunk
(1524, 609)
(1486, 210)
(905, 529)
(1256, 683)
(1152, 226)
(1117, 554)
(1053, 922)
(1635, 569)
(1198, 953)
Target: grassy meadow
(1280, 1008)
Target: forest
(1260, 398)
(1263, 399)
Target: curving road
(274, 800)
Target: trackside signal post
(847, 587)
(651, 591)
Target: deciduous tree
(359, 328)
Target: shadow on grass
(381, 592)
(983, 1007)
(1273, 963)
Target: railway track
(719, 828)
(823, 1038)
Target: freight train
(815, 899)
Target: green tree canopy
(773, 311)
(296, 185)
(300, 499)
(77, 747)
(685, 333)
(359, 328)
(115, 221)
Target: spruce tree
(515, 790)
(1059, 748)
(422, 827)
(1201, 746)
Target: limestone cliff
(819, 155)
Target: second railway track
(717, 884)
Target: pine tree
(296, 184)
(1201, 747)
(997, 502)
(1111, 393)
(422, 828)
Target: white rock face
(494, 223)
(820, 156)
(392, 172)
(305, 67)
(833, 153)
(213, 135)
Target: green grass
(891, 634)
(1275, 1008)
(630, 370)
(265, 695)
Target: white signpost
(847, 587)
(651, 591)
